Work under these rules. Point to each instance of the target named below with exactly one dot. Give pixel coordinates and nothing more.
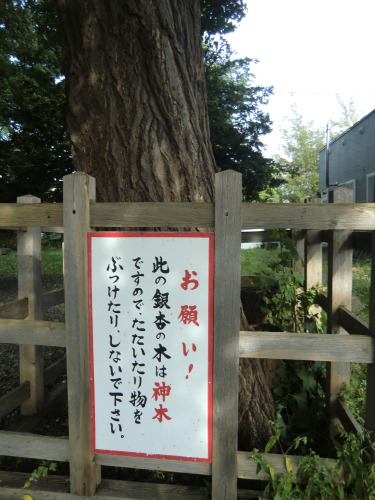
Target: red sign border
(211, 260)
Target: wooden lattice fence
(350, 340)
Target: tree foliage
(299, 165)
(221, 16)
(300, 162)
(34, 144)
(348, 117)
(237, 120)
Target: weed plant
(297, 393)
(361, 287)
(299, 399)
(351, 477)
(355, 393)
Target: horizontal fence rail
(14, 398)
(48, 333)
(30, 215)
(348, 216)
(23, 444)
(307, 347)
(305, 216)
(152, 214)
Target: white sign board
(151, 344)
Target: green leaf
(271, 472)
(308, 381)
(288, 464)
(298, 276)
(271, 443)
(300, 399)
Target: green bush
(353, 476)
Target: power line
(292, 92)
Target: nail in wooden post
(79, 189)
(228, 194)
(340, 269)
(30, 286)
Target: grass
(256, 260)
(52, 259)
(51, 263)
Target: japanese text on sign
(151, 343)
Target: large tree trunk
(136, 98)
(138, 120)
(255, 403)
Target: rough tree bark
(138, 121)
(136, 98)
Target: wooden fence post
(299, 241)
(30, 286)
(370, 387)
(313, 260)
(228, 193)
(79, 189)
(313, 254)
(340, 270)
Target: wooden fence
(350, 340)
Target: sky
(309, 51)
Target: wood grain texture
(152, 214)
(307, 346)
(54, 397)
(55, 229)
(30, 287)
(24, 215)
(360, 216)
(23, 444)
(351, 323)
(16, 331)
(53, 298)
(340, 277)
(57, 488)
(254, 215)
(13, 228)
(14, 398)
(313, 260)
(370, 386)
(313, 254)
(299, 242)
(184, 467)
(79, 189)
(226, 334)
(322, 300)
(15, 309)
(57, 369)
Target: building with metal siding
(351, 161)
